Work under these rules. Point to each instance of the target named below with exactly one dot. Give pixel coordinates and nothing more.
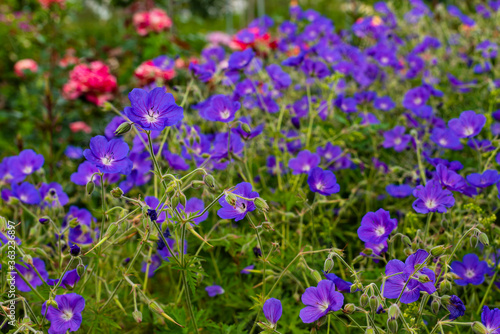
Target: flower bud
(424, 279)
(231, 198)
(435, 306)
(353, 288)
(182, 199)
(392, 325)
(137, 316)
(80, 270)
(153, 306)
(316, 275)
(261, 204)
(175, 200)
(112, 229)
(28, 259)
(267, 226)
(437, 251)
(328, 265)
(445, 299)
(394, 311)
(209, 181)
(117, 192)
(3, 223)
(368, 251)
(74, 222)
(373, 303)
(407, 240)
(53, 303)
(369, 330)
(74, 250)
(444, 286)
(44, 220)
(483, 238)
(349, 309)
(363, 300)
(90, 188)
(123, 128)
(246, 127)
(479, 328)
(257, 252)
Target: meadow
(298, 175)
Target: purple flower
(67, 316)
(153, 265)
(242, 206)
(376, 226)
(74, 152)
(432, 198)
(68, 282)
(81, 234)
(469, 124)
(449, 179)
(194, 206)
(330, 152)
(109, 157)
(154, 203)
(246, 270)
(110, 129)
(396, 138)
(26, 193)
(416, 98)
(53, 195)
(30, 275)
(488, 178)
(240, 59)
(214, 290)
(446, 139)
(272, 310)
(323, 182)
(384, 103)
(154, 110)
(470, 270)
(319, 301)
(342, 286)
(315, 69)
(221, 109)
(27, 162)
(456, 307)
(491, 320)
(175, 161)
(304, 162)
(280, 78)
(393, 286)
(399, 191)
(84, 173)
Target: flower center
(107, 160)
(241, 208)
(29, 276)
(320, 186)
(67, 315)
(23, 198)
(380, 230)
(383, 106)
(306, 168)
(323, 306)
(470, 273)
(443, 142)
(430, 204)
(225, 114)
(384, 60)
(152, 117)
(468, 131)
(28, 169)
(398, 141)
(417, 101)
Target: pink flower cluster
(46, 3)
(147, 73)
(155, 20)
(92, 81)
(25, 65)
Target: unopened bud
(394, 311)
(435, 306)
(137, 316)
(261, 204)
(368, 251)
(28, 259)
(363, 300)
(53, 303)
(369, 330)
(44, 220)
(349, 309)
(183, 200)
(424, 279)
(111, 230)
(316, 275)
(445, 299)
(445, 286)
(392, 325)
(231, 198)
(117, 192)
(90, 188)
(373, 303)
(479, 328)
(74, 250)
(267, 226)
(123, 129)
(209, 181)
(407, 240)
(246, 127)
(328, 265)
(153, 306)
(437, 251)
(483, 238)
(353, 288)
(74, 222)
